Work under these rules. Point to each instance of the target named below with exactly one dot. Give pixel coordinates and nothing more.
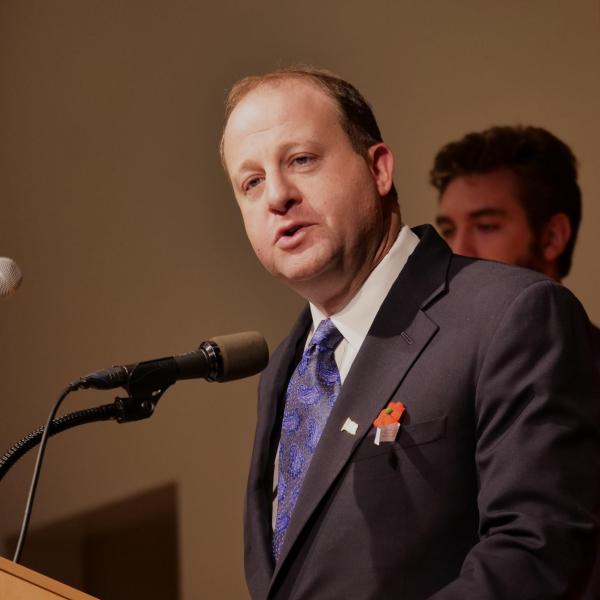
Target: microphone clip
(146, 384)
(134, 409)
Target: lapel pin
(388, 422)
(349, 426)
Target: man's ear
(556, 234)
(381, 163)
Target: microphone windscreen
(10, 276)
(243, 354)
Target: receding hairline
(246, 86)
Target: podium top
(20, 583)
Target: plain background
(114, 204)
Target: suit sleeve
(537, 454)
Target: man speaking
(429, 428)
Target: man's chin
(305, 278)
(302, 269)
(299, 276)
(532, 261)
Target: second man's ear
(555, 236)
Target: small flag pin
(349, 426)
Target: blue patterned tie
(311, 394)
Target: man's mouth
(288, 235)
(291, 231)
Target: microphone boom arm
(68, 421)
(122, 410)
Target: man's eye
(487, 227)
(251, 183)
(302, 160)
(447, 232)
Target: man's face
(311, 205)
(482, 216)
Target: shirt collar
(356, 318)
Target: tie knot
(326, 337)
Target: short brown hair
(545, 167)
(356, 116)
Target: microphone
(224, 358)
(10, 276)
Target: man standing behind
(485, 490)
(511, 194)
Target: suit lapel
(399, 334)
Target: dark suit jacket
(593, 590)
(490, 489)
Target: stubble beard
(534, 259)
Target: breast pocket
(414, 434)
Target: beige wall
(114, 204)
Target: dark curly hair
(545, 167)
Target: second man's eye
(487, 227)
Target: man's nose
(462, 243)
(282, 194)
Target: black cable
(123, 410)
(32, 439)
(38, 465)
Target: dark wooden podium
(20, 583)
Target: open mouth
(290, 235)
(291, 231)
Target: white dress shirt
(356, 318)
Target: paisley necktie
(311, 394)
